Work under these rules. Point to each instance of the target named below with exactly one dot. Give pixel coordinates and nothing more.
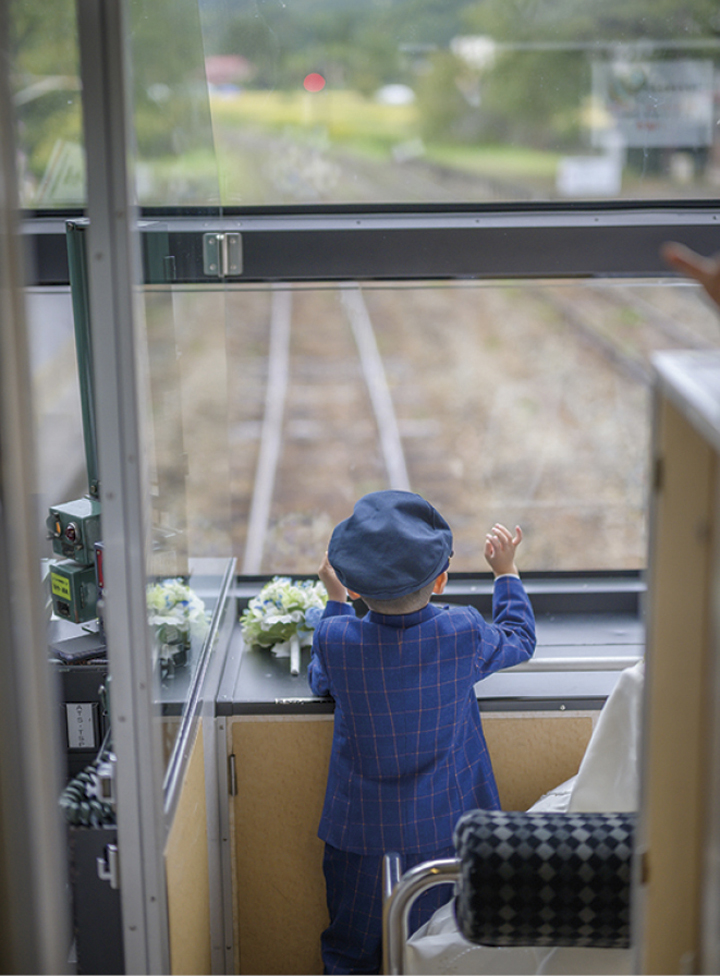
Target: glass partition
(176, 163)
(171, 128)
(175, 166)
(184, 665)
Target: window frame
(585, 240)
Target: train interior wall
(278, 900)
(186, 871)
(281, 762)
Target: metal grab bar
(574, 664)
(400, 898)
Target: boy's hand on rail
(689, 262)
(335, 589)
(500, 546)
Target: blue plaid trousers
(352, 943)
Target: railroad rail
(279, 378)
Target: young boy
(408, 753)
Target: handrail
(537, 664)
(176, 762)
(396, 909)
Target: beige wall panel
(534, 752)
(677, 690)
(186, 869)
(281, 768)
(281, 775)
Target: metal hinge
(108, 867)
(222, 255)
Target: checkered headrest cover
(545, 879)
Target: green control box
(74, 529)
(73, 590)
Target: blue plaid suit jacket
(408, 753)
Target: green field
(340, 125)
(344, 116)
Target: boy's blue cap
(393, 544)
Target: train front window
(388, 101)
(409, 101)
(524, 403)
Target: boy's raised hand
(335, 589)
(702, 269)
(500, 546)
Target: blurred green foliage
(171, 107)
(172, 112)
(359, 45)
(533, 94)
(46, 83)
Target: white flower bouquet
(177, 614)
(283, 616)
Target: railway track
(295, 412)
(525, 403)
(623, 326)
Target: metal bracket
(108, 867)
(222, 255)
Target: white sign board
(589, 176)
(655, 104)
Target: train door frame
(34, 922)
(114, 275)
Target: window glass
(523, 403)
(173, 163)
(450, 100)
(46, 81)
(273, 409)
(388, 101)
(62, 473)
(175, 160)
